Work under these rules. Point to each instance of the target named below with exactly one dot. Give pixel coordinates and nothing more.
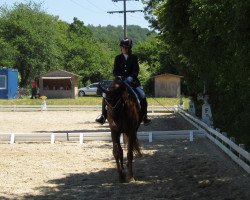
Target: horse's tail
(136, 147)
(132, 138)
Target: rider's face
(125, 50)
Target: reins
(116, 104)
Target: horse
(124, 117)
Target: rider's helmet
(126, 42)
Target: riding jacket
(126, 68)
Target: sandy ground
(79, 121)
(173, 169)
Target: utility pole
(124, 11)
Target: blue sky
(90, 11)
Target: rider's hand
(129, 79)
(119, 77)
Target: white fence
(91, 136)
(22, 108)
(234, 151)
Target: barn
(58, 84)
(8, 83)
(167, 85)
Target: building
(8, 83)
(167, 85)
(59, 84)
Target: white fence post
(233, 140)
(150, 137)
(12, 138)
(81, 138)
(53, 138)
(191, 136)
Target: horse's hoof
(131, 180)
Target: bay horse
(124, 117)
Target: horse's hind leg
(118, 155)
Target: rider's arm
(116, 70)
(135, 71)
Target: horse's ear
(101, 89)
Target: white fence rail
(21, 108)
(91, 136)
(234, 151)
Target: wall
(167, 86)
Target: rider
(126, 66)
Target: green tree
(84, 55)
(31, 32)
(210, 40)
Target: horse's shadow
(104, 184)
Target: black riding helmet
(126, 42)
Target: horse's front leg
(118, 155)
(130, 158)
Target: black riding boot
(102, 118)
(144, 108)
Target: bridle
(118, 102)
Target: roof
(173, 75)
(59, 73)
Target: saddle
(134, 93)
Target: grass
(88, 101)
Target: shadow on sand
(169, 173)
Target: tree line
(35, 42)
(209, 41)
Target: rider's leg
(102, 118)
(144, 106)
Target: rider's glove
(119, 77)
(129, 79)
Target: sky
(92, 12)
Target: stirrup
(100, 119)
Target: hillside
(111, 35)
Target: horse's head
(114, 92)
(119, 90)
